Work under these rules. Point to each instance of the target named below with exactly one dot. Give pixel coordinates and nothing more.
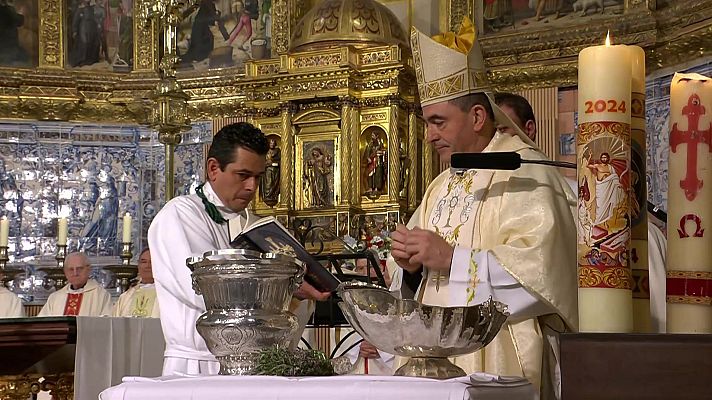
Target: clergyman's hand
(399, 249)
(427, 248)
(367, 350)
(307, 291)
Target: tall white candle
(603, 144)
(127, 228)
(4, 231)
(62, 231)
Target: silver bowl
(247, 296)
(427, 335)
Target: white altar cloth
(345, 387)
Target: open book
(267, 235)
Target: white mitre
(455, 67)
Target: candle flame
(608, 39)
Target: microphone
(505, 160)
(509, 160)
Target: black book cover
(269, 236)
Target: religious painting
(604, 186)
(269, 184)
(374, 162)
(100, 35)
(318, 173)
(567, 144)
(18, 33)
(225, 33)
(517, 15)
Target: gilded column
(286, 199)
(428, 168)
(394, 167)
(347, 160)
(51, 34)
(281, 31)
(412, 156)
(145, 39)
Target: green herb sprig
(282, 362)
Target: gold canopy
(336, 23)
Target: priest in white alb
(480, 233)
(209, 219)
(81, 296)
(10, 304)
(140, 300)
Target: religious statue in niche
(317, 169)
(269, 188)
(18, 33)
(405, 169)
(374, 162)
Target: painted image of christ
(610, 191)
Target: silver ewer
(426, 335)
(247, 296)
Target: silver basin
(428, 335)
(247, 296)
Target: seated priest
(208, 219)
(81, 296)
(10, 304)
(509, 235)
(140, 300)
(520, 112)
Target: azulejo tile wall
(658, 133)
(91, 174)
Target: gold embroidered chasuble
(524, 219)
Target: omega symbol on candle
(599, 106)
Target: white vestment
(514, 238)
(10, 305)
(183, 229)
(657, 253)
(96, 301)
(609, 194)
(138, 301)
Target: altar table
(345, 387)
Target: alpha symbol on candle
(693, 136)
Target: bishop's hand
(416, 247)
(399, 250)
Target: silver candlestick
(4, 258)
(126, 254)
(61, 255)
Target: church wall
(92, 174)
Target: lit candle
(62, 231)
(127, 228)
(4, 231)
(689, 254)
(603, 151)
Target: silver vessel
(247, 296)
(427, 335)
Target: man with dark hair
(192, 224)
(519, 111)
(480, 233)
